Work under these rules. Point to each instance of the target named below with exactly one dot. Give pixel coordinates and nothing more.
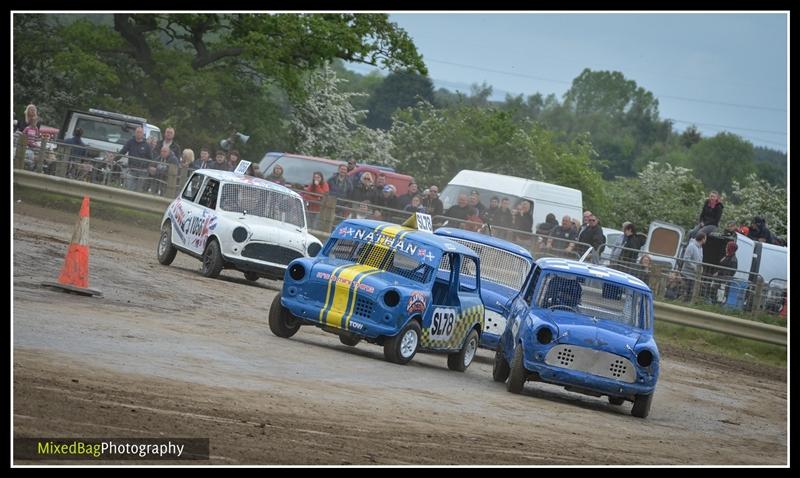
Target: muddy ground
(169, 353)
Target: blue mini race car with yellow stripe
(390, 285)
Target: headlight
(313, 249)
(391, 298)
(239, 234)
(297, 271)
(544, 335)
(644, 358)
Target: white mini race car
(230, 220)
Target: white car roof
(231, 177)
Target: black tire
(212, 260)
(350, 340)
(500, 370)
(518, 374)
(281, 321)
(460, 361)
(165, 250)
(251, 276)
(396, 351)
(641, 406)
(616, 400)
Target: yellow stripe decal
(328, 295)
(341, 293)
(353, 302)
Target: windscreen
(262, 202)
(595, 297)
(117, 133)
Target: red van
(298, 169)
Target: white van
(104, 130)
(546, 198)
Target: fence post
(22, 146)
(327, 213)
(758, 296)
(38, 159)
(656, 273)
(62, 160)
(172, 177)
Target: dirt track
(167, 352)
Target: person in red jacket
(317, 190)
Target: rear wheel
(641, 406)
(281, 322)
(349, 340)
(460, 360)
(500, 370)
(251, 276)
(166, 251)
(402, 347)
(517, 375)
(212, 260)
(616, 400)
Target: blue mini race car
(586, 327)
(390, 285)
(504, 267)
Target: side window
(468, 274)
(192, 187)
(209, 196)
(532, 284)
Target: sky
(719, 71)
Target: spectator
(76, 152)
(546, 228)
(758, 231)
(461, 210)
(475, 201)
(730, 230)
(631, 244)
(155, 149)
(31, 131)
(387, 198)
(505, 218)
(318, 189)
(405, 199)
(616, 248)
(351, 164)
(31, 118)
(203, 161)
(233, 161)
(187, 158)
(169, 141)
(692, 259)
(723, 275)
(710, 215)
(586, 215)
(157, 172)
(365, 190)
(432, 204)
(276, 176)
(674, 286)
(523, 219)
(643, 271)
(219, 161)
(491, 215)
(592, 235)
(415, 205)
(362, 211)
(138, 152)
(380, 181)
(340, 184)
(563, 236)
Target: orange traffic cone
(74, 275)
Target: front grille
(363, 307)
(595, 362)
(270, 253)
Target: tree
(719, 160)
(757, 197)
(325, 123)
(398, 90)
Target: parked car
(298, 169)
(234, 221)
(585, 327)
(504, 267)
(389, 285)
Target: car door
(520, 306)
(201, 216)
(445, 325)
(181, 210)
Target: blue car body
(504, 267)
(372, 278)
(585, 327)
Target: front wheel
(641, 406)
(281, 322)
(459, 361)
(251, 276)
(616, 400)
(402, 347)
(517, 375)
(500, 370)
(349, 340)
(166, 251)
(212, 260)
